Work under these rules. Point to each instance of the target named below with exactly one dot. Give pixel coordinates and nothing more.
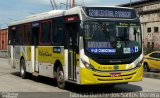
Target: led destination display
(101, 12)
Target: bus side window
(58, 29)
(27, 34)
(14, 37)
(20, 34)
(35, 35)
(45, 32)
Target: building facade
(3, 39)
(149, 12)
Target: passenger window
(58, 29)
(27, 34)
(20, 34)
(45, 37)
(13, 35)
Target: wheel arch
(22, 66)
(56, 65)
(146, 63)
(22, 58)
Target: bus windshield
(114, 38)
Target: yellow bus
(87, 45)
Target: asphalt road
(41, 87)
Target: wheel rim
(22, 71)
(145, 67)
(60, 77)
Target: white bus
(83, 45)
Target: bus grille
(123, 76)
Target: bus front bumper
(88, 77)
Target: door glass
(72, 41)
(35, 37)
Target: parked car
(152, 61)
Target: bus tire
(23, 72)
(146, 67)
(60, 78)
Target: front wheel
(146, 67)
(23, 72)
(60, 78)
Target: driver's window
(122, 33)
(134, 34)
(131, 34)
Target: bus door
(34, 48)
(72, 50)
(13, 42)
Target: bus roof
(57, 13)
(41, 16)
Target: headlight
(140, 63)
(87, 65)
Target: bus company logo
(116, 67)
(119, 45)
(44, 53)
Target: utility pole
(55, 5)
(52, 4)
(73, 3)
(82, 2)
(67, 4)
(130, 3)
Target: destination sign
(107, 12)
(35, 24)
(102, 50)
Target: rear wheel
(23, 72)
(60, 78)
(146, 67)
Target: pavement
(42, 87)
(3, 54)
(152, 74)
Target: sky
(12, 10)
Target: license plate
(115, 74)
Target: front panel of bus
(110, 46)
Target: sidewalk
(3, 54)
